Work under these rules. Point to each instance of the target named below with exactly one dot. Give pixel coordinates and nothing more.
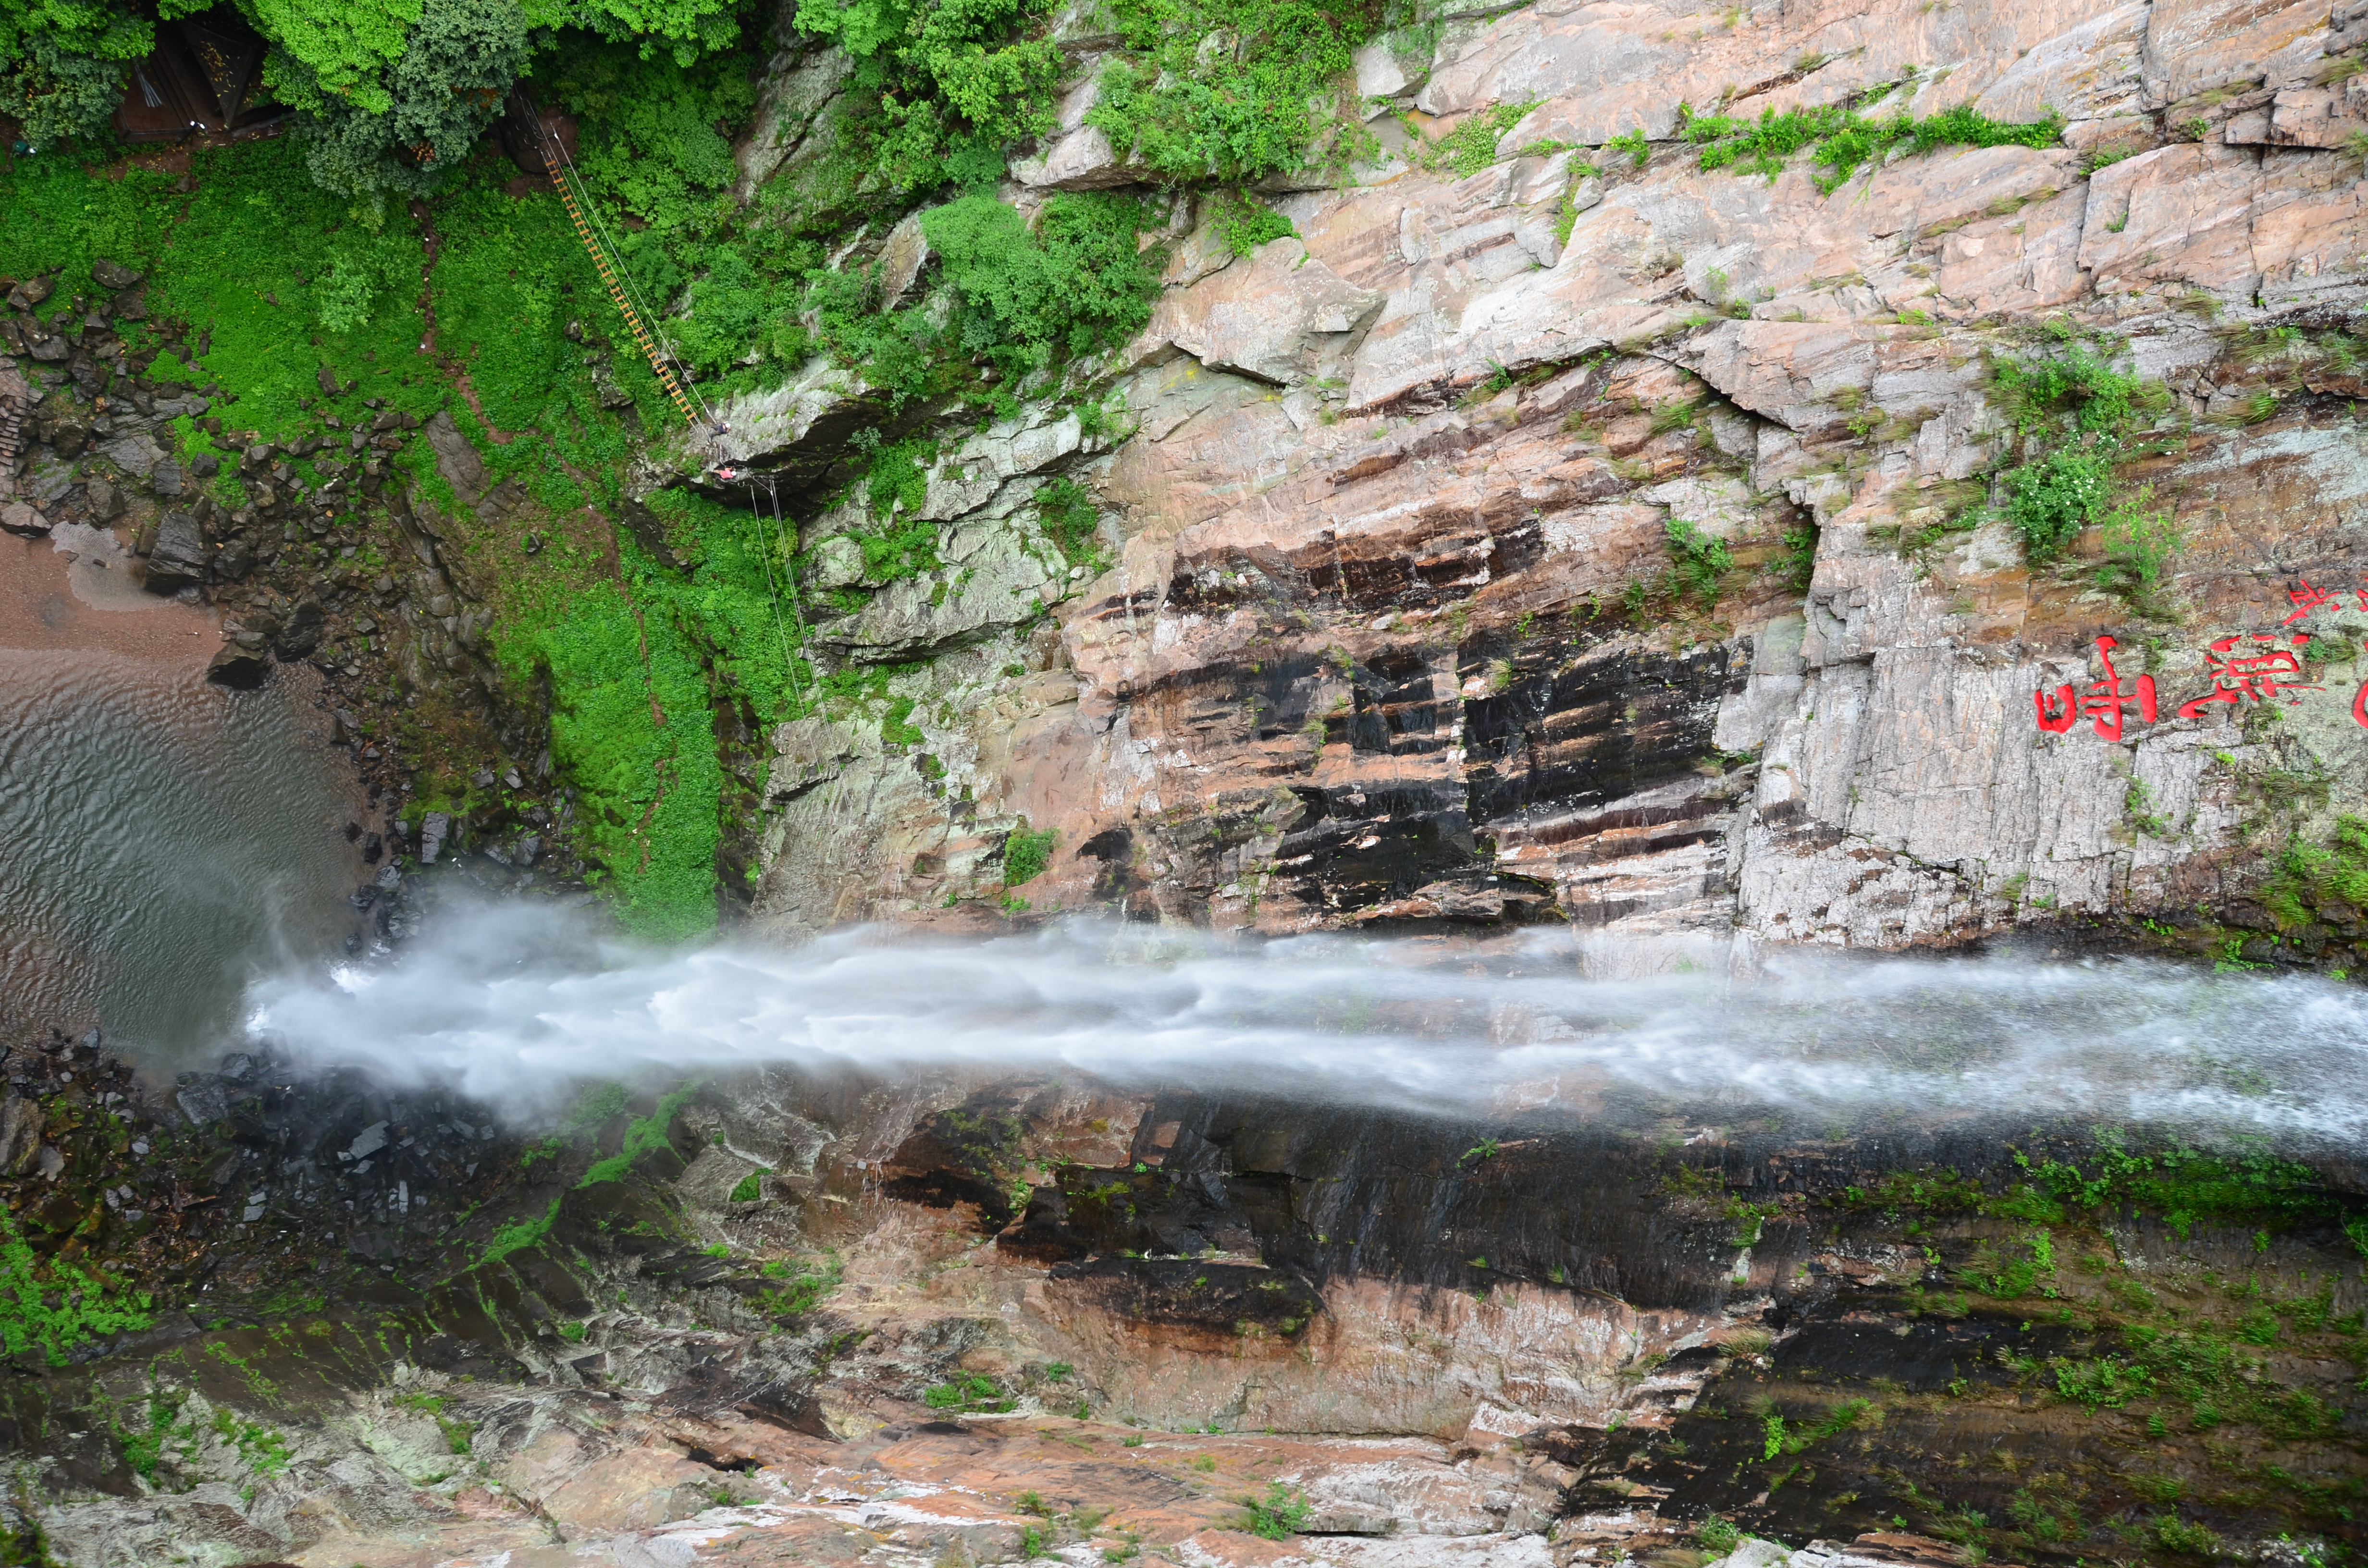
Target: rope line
(765, 555)
(788, 575)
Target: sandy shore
(77, 592)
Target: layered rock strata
(1385, 626)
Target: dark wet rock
(235, 561)
(527, 850)
(179, 558)
(113, 276)
(203, 1102)
(103, 500)
(302, 632)
(372, 847)
(166, 479)
(432, 829)
(239, 667)
(20, 1136)
(18, 517)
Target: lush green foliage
(63, 63)
(2082, 411)
(1246, 224)
(655, 147)
(1076, 283)
(648, 1134)
(2181, 1185)
(1779, 1438)
(1280, 1514)
(1071, 520)
(519, 1234)
(1025, 854)
(797, 1287)
(972, 1391)
(747, 1189)
(2140, 544)
(57, 1307)
(947, 85)
(1697, 561)
(2310, 875)
(1471, 145)
(1844, 140)
(1233, 90)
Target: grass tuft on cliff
(1843, 140)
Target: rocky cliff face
(1390, 623)
(784, 1319)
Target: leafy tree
(1233, 90)
(1074, 285)
(950, 83)
(63, 63)
(399, 128)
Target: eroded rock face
(888, 1323)
(1383, 625)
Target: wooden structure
(203, 78)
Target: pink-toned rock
(2304, 117)
(2193, 46)
(2018, 262)
(2088, 71)
(631, 1489)
(1275, 318)
(1926, 193)
(2181, 212)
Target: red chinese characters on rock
(2258, 672)
(2104, 703)
(2249, 666)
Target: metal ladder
(547, 139)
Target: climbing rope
(764, 552)
(650, 337)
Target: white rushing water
(518, 1004)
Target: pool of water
(163, 843)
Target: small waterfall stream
(517, 1003)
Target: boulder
(240, 668)
(20, 1136)
(19, 517)
(456, 460)
(901, 260)
(1273, 319)
(179, 558)
(112, 276)
(303, 634)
